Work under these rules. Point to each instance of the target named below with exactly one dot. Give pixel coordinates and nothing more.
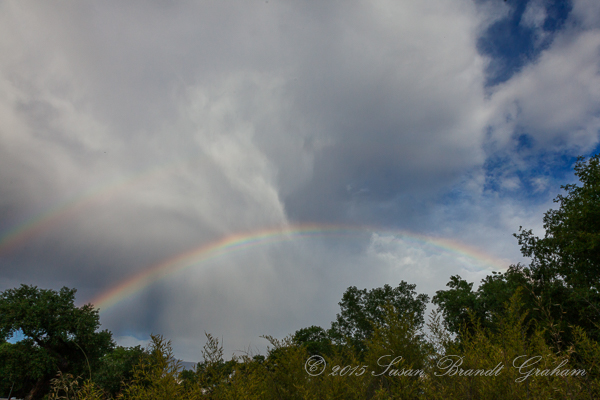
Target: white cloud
(534, 18)
(534, 15)
(512, 183)
(555, 99)
(540, 184)
(586, 13)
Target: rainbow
(54, 215)
(241, 241)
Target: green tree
(512, 340)
(565, 263)
(362, 309)
(156, 376)
(116, 368)
(397, 344)
(214, 372)
(19, 368)
(57, 336)
(460, 302)
(315, 339)
(456, 303)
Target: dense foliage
(529, 333)
(362, 310)
(57, 336)
(565, 266)
(117, 367)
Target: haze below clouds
(131, 133)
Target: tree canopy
(57, 335)
(566, 261)
(362, 309)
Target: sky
(233, 167)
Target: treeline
(532, 332)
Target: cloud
(554, 100)
(395, 102)
(534, 15)
(585, 13)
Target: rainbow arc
(242, 241)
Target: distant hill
(188, 365)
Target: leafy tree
(397, 343)
(509, 344)
(116, 368)
(315, 339)
(460, 302)
(214, 372)
(57, 336)
(18, 369)
(362, 309)
(456, 303)
(565, 263)
(156, 376)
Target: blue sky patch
(518, 39)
